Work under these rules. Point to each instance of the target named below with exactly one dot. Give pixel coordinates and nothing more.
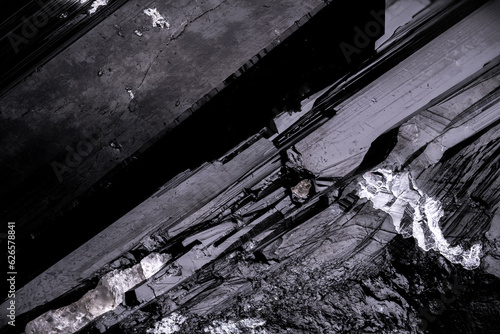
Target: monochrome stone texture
(250, 167)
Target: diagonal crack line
(208, 11)
(173, 38)
(149, 67)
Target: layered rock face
(410, 291)
(372, 213)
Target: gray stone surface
(285, 241)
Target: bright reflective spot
(158, 19)
(414, 213)
(95, 5)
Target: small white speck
(130, 93)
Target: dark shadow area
(447, 297)
(379, 150)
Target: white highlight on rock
(396, 192)
(247, 325)
(130, 93)
(158, 19)
(108, 294)
(168, 325)
(95, 5)
(152, 263)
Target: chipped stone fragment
(302, 188)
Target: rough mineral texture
(373, 209)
